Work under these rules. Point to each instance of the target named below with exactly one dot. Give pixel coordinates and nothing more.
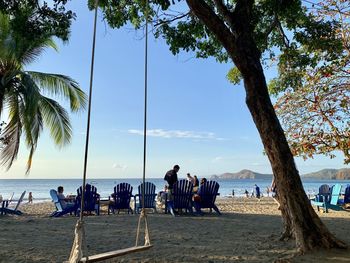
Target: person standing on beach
(171, 178)
(274, 193)
(30, 197)
(257, 191)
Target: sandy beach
(247, 231)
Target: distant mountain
(325, 174)
(329, 174)
(244, 174)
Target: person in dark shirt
(171, 178)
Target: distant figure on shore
(268, 191)
(257, 191)
(65, 202)
(30, 197)
(246, 193)
(171, 178)
(274, 192)
(233, 192)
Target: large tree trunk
(300, 219)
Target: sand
(247, 231)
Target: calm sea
(41, 187)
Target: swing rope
(77, 252)
(143, 214)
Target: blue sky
(196, 118)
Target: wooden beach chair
(60, 211)
(207, 193)
(91, 199)
(329, 200)
(121, 198)
(8, 210)
(182, 197)
(150, 196)
(345, 202)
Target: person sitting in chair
(65, 202)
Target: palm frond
(30, 51)
(12, 133)
(61, 85)
(57, 120)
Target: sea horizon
(40, 187)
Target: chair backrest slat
(150, 193)
(56, 201)
(20, 200)
(122, 195)
(208, 192)
(182, 194)
(335, 192)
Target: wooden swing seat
(115, 253)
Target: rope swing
(79, 244)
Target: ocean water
(40, 187)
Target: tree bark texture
(300, 219)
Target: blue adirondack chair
(329, 202)
(324, 192)
(207, 195)
(347, 195)
(150, 195)
(91, 199)
(182, 197)
(60, 211)
(346, 199)
(121, 198)
(5, 209)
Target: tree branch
(284, 36)
(215, 24)
(161, 22)
(227, 15)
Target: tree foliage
(34, 19)
(27, 94)
(314, 105)
(182, 30)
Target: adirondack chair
(346, 199)
(60, 211)
(323, 192)
(347, 195)
(181, 197)
(207, 193)
(121, 198)
(331, 202)
(150, 195)
(8, 210)
(91, 199)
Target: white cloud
(178, 134)
(119, 166)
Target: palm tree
(26, 95)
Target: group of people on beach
(171, 178)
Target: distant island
(325, 174)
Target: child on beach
(246, 193)
(30, 197)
